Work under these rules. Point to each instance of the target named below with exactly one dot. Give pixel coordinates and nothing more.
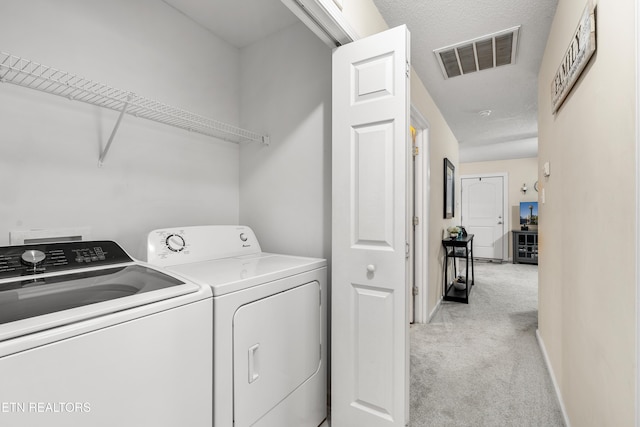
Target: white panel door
(370, 358)
(483, 215)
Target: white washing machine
(269, 327)
(90, 337)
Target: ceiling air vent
(478, 54)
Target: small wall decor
(580, 50)
(449, 189)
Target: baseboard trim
(547, 362)
(435, 309)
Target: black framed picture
(449, 189)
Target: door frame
(637, 384)
(505, 206)
(326, 20)
(421, 201)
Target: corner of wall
(556, 388)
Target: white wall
(285, 189)
(154, 175)
(519, 149)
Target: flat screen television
(528, 213)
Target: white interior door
(483, 214)
(370, 357)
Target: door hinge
(415, 290)
(416, 151)
(416, 221)
(408, 69)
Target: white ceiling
(510, 91)
(238, 22)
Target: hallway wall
(587, 270)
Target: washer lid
(237, 273)
(40, 302)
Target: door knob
(371, 268)
(499, 222)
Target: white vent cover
(478, 54)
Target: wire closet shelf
(26, 73)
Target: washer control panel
(51, 257)
(175, 243)
(182, 245)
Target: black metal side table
(461, 247)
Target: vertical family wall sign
(580, 50)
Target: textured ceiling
(510, 91)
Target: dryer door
(276, 348)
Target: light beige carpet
(480, 364)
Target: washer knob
(33, 257)
(175, 243)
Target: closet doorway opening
(419, 195)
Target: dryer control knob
(33, 257)
(175, 243)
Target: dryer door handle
(254, 363)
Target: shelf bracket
(103, 155)
(26, 73)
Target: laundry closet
(155, 175)
(67, 164)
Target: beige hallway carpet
(480, 364)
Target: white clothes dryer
(91, 337)
(269, 327)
